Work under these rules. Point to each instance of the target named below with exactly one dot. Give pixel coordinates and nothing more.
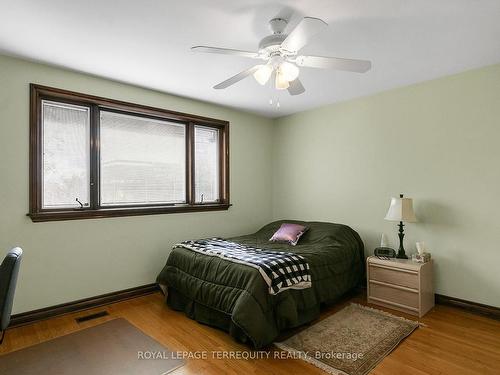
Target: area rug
(114, 347)
(351, 341)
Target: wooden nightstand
(400, 284)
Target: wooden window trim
(37, 213)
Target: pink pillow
(290, 233)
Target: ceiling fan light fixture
(263, 74)
(289, 71)
(280, 53)
(281, 83)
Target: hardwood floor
(451, 341)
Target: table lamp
(401, 209)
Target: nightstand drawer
(403, 277)
(399, 296)
(400, 284)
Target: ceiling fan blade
(303, 32)
(225, 51)
(295, 87)
(238, 77)
(359, 66)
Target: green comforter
(234, 297)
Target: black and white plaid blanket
(280, 270)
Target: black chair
(8, 279)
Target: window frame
(37, 213)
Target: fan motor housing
(271, 43)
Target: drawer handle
(394, 269)
(394, 286)
(394, 303)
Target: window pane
(65, 160)
(143, 161)
(206, 164)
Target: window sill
(119, 212)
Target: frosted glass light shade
(263, 73)
(401, 209)
(281, 82)
(290, 71)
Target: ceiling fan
(280, 53)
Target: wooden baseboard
(105, 299)
(473, 307)
(83, 304)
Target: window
(94, 157)
(65, 155)
(206, 168)
(143, 160)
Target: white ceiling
(147, 43)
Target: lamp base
(401, 235)
(401, 254)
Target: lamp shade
(281, 83)
(401, 209)
(290, 71)
(263, 74)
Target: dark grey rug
(114, 347)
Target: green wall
(70, 260)
(437, 142)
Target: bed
(234, 297)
